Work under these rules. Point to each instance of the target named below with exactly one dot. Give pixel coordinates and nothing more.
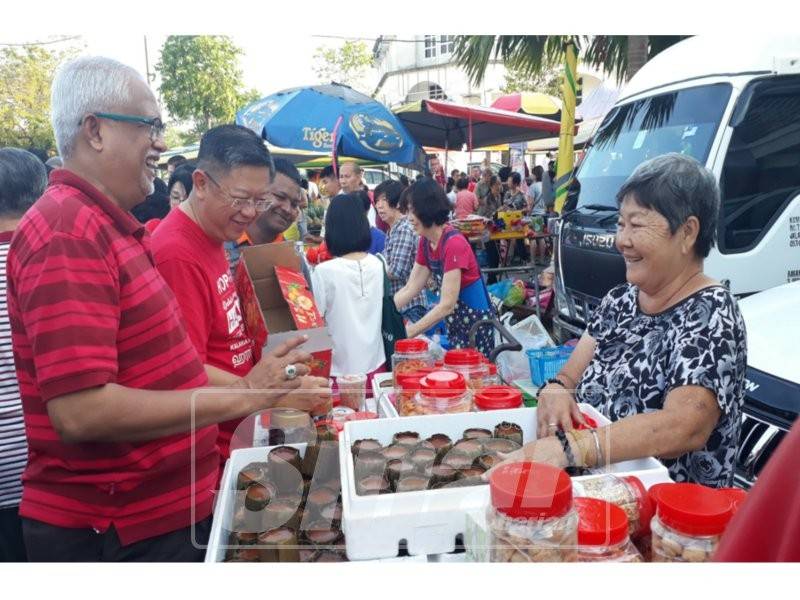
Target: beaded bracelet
(565, 446)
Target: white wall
(405, 65)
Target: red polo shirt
(88, 307)
(196, 268)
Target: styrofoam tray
(377, 390)
(429, 521)
(386, 408)
(225, 501)
(223, 509)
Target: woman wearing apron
(446, 254)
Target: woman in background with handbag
(349, 291)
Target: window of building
(435, 92)
(447, 44)
(430, 46)
(761, 174)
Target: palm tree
(617, 55)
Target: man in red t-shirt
(122, 449)
(230, 187)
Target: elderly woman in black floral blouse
(664, 355)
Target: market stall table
(527, 237)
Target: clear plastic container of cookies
(410, 355)
(626, 492)
(603, 532)
(690, 520)
(531, 517)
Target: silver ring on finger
(290, 371)
(552, 425)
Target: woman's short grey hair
(23, 178)
(677, 187)
(85, 85)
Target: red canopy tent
(448, 125)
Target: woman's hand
(546, 450)
(556, 409)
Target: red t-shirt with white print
(196, 268)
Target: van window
(684, 121)
(761, 172)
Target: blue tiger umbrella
(332, 118)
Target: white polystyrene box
(429, 521)
(224, 502)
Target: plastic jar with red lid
(531, 517)
(689, 521)
(410, 355)
(407, 388)
(492, 378)
(627, 492)
(603, 532)
(470, 363)
(442, 392)
(497, 398)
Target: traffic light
(579, 90)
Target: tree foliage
(546, 82)
(26, 75)
(536, 54)
(347, 64)
(201, 80)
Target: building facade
(412, 68)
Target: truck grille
(757, 441)
(581, 306)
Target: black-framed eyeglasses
(258, 204)
(156, 125)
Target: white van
(733, 103)
(772, 390)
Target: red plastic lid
(443, 384)
(409, 346)
(530, 490)
(736, 495)
(654, 490)
(498, 396)
(646, 506)
(361, 416)
(590, 423)
(438, 364)
(464, 357)
(409, 381)
(600, 523)
(693, 509)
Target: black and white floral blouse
(640, 358)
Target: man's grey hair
(23, 178)
(677, 187)
(82, 86)
(356, 168)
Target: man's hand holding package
(270, 372)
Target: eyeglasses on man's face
(237, 202)
(156, 125)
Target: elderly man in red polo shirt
(107, 372)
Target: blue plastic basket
(547, 362)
